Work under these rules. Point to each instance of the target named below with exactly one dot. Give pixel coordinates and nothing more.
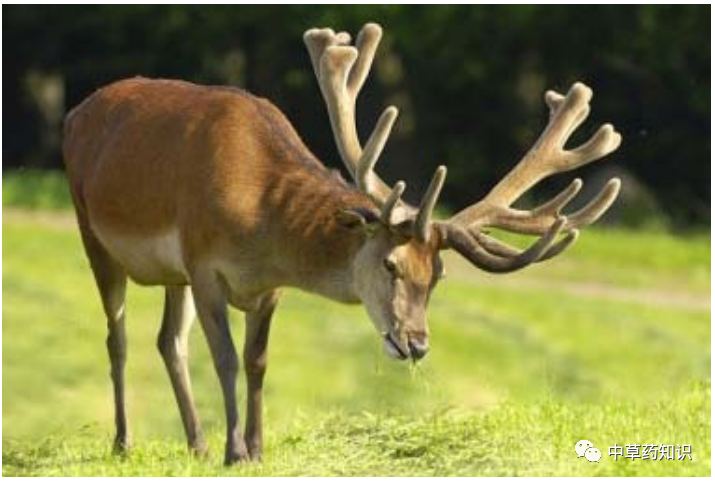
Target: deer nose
(417, 342)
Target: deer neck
(317, 252)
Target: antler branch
(341, 70)
(548, 156)
(494, 256)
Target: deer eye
(390, 266)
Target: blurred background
(469, 82)
(609, 341)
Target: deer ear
(357, 218)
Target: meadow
(610, 343)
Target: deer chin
(393, 348)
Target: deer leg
(255, 357)
(111, 281)
(212, 308)
(173, 344)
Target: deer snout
(418, 344)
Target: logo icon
(584, 448)
(593, 455)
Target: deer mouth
(394, 348)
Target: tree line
(469, 81)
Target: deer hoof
(199, 449)
(236, 455)
(121, 446)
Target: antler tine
(501, 249)
(605, 141)
(334, 67)
(365, 176)
(562, 245)
(429, 200)
(317, 40)
(367, 42)
(570, 114)
(553, 100)
(597, 206)
(557, 203)
(389, 207)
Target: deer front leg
(212, 309)
(255, 358)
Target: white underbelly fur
(147, 260)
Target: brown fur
(225, 167)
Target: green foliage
(468, 81)
(610, 342)
(35, 189)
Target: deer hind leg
(111, 281)
(173, 344)
(255, 358)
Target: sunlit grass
(512, 440)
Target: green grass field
(610, 343)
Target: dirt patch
(652, 297)
(660, 294)
(54, 219)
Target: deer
(209, 192)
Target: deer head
(398, 264)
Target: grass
(515, 440)
(35, 189)
(610, 343)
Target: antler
(547, 157)
(341, 70)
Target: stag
(209, 192)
